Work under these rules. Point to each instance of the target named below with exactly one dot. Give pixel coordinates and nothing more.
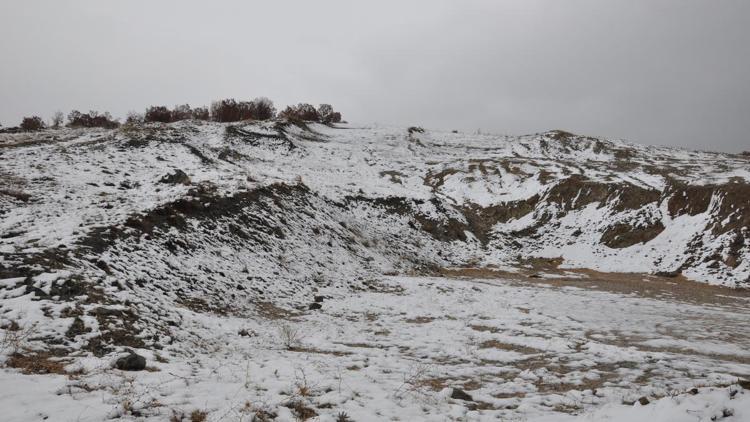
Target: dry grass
(290, 336)
(420, 320)
(495, 344)
(38, 363)
(194, 416)
(270, 311)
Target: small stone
(178, 177)
(314, 306)
(643, 401)
(459, 394)
(131, 362)
(693, 391)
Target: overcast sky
(671, 72)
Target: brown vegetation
(32, 123)
(229, 110)
(92, 119)
(163, 114)
(40, 363)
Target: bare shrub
(245, 110)
(159, 114)
(57, 119)
(226, 110)
(264, 109)
(416, 381)
(229, 110)
(201, 113)
(92, 119)
(291, 337)
(328, 115)
(181, 112)
(14, 337)
(194, 416)
(134, 118)
(301, 112)
(32, 123)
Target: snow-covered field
(522, 350)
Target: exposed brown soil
(577, 191)
(677, 288)
(36, 363)
(623, 235)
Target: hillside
(168, 238)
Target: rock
(459, 394)
(319, 299)
(744, 384)
(77, 328)
(643, 401)
(668, 274)
(177, 178)
(246, 333)
(131, 362)
(314, 306)
(693, 391)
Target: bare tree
(57, 119)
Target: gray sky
(673, 72)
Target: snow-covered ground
(208, 248)
(693, 206)
(522, 350)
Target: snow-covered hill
(121, 238)
(483, 199)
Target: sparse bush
(163, 114)
(415, 129)
(302, 112)
(159, 114)
(134, 118)
(57, 119)
(245, 110)
(32, 123)
(225, 110)
(201, 113)
(181, 112)
(291, 337)
(14, 337)
(327, 115)
(229, 110)
(195, 416)
(264, 108)
(91, 119)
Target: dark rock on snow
(177, 178)
(459, 394)
(131, 362)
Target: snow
(398, 355)
(561, 346)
